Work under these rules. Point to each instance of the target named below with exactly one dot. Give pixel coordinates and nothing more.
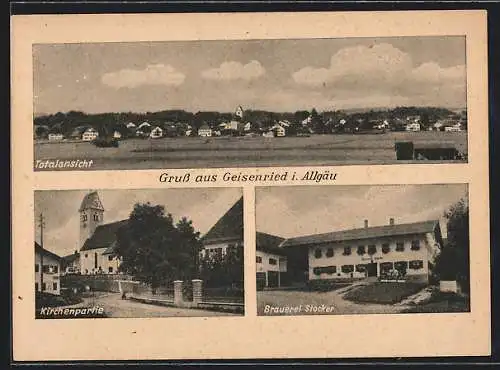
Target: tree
(453, 261)
(154, 250)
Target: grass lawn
(383, 293)
(442, 302)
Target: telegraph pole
(42, 225)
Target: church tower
(91, 215)
(239, 113)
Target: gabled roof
(229, 226)
(39, 249)
(364, 233)
(268, 243)
(104, 236)
(91, 201)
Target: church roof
(91, 201)
(228, 227)
(104, 236)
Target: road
(114, 306)
(333, 299)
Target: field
(220, 152)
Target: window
(54, 286)
(110, 269)
(347, 251)
(386, 248)
(317, 271)
(317, 253)
(36, 287)
(400, 247)
(44, 287)
(330, 270)
(372, 249)
(258, 259)
(329, 252)
(55, 269)
(416, 265)
(86, 255)
(361, 268)
(401, 266)
(361, 250)
(110, 258)
(46, 269)
(346, 269)
(37, 268)
(415, 245)
(95, 260)
(84, 217)
(385, 267)
(96, 217)
(86, 271)
(272, 261)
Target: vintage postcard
(250, 186)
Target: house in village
(270, 260)
(204, 131)
(47, 271)
(117, 134)
(70, 264)
(227, 232)
(90, 134)
(55, 136)
(410, 249)
(156, 133)
(131, 125)
(413, 126)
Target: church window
(84, 217)
(96, 217)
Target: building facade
(47, 271)
(226, 233)
(409, 249)
(270, 260)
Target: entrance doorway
(371, 269)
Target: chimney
(366, 223)
(391, 221)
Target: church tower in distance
(239, 113)
(91, 216)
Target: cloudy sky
(60, 209)
(277, 75)
(305, 210)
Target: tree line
(323, 122)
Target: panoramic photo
(249, 103)
(138, 253)
(391, 249)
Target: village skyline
(61, 217)
(272, 75)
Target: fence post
(197, 290)
(178, 300)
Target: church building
(97, 239)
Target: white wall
(266, 266)
(50, 279)
(339, 259)
(87, 262)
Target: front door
(371, 269)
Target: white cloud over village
(386, 71)
(235, 71)
(152, 74)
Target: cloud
(235, 71)
(379, 68)
(152, 74)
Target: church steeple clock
(91, 215)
